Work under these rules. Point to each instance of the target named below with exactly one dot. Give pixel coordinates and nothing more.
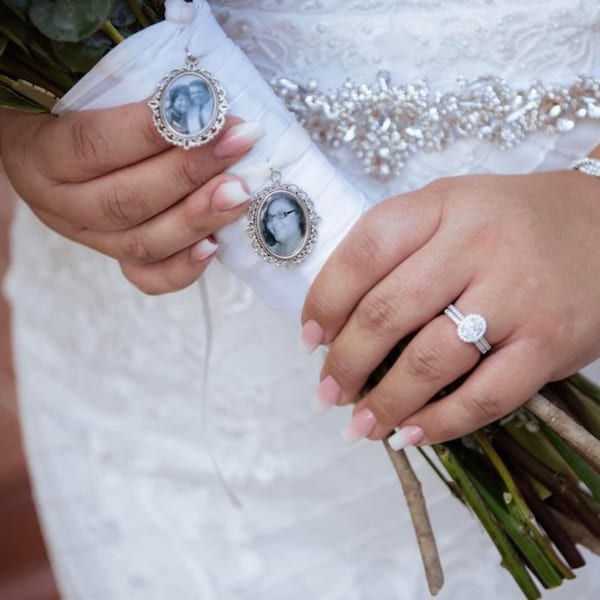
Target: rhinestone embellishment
(472, 328)
(382, 124)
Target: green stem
(451, 485)
(137, 11)
(536, 555)
(551, 526)
(111, 31)
(522, 508)
(539, 446)
(510, 557)
(562, 489)
(586, 386)
(584, 471)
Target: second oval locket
(282, 223)
(189, 106)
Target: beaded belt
(384, 123)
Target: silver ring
(470, 328)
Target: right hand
(108, 180)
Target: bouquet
(532, 479)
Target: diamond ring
(470, 328)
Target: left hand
(523, 251)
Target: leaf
(121, 15)
(13, 29)
(69, 20)
(80, 57)
(18, 7)
(3, 42)
(14, 101)
(25, 36)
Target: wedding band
(470, 328)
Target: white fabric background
(109, 379)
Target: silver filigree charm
(282, 222)
(189, 105)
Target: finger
(409, 297)
(174, 273)
(381, 239)
(499, 384)
(433, 360)
(222, 200)
(132, 195)
(85, 144)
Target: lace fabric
(109, 378)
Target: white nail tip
(203, 249)
(398, 441)
(232, 194)
(251, 131)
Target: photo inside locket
(188, 105)
(283, 224)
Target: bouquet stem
(413, 493)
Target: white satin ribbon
(130, 72)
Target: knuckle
(88, 144)
(363, 246)
(121, 206)
(196, 215)
(148, 132)
(320, 305)
(384, 407)
(423, 363)
(192, 171)
(442, 188)
(136, 249)
(377, 312)
(340, 369)
(482, 406)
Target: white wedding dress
(118, 436)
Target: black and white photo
(283, 224)
(189, 105)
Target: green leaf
(14, 101)
(69, 20)
(19, 7)
(3, 43)
(80, 57)
(121, 15)
(14, 30)
(25, 36)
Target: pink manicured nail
(328, 393)
(405, 436)
(239, 139)
(361, 425)
(203, 249)
(228, 195)
(312, 336)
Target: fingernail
(312, 336)
(238, 139)
(228, 195)
(203, 249)
(361, 425)
(405, 436)
(328, 393)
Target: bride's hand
(107, 179)
(523, 251)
